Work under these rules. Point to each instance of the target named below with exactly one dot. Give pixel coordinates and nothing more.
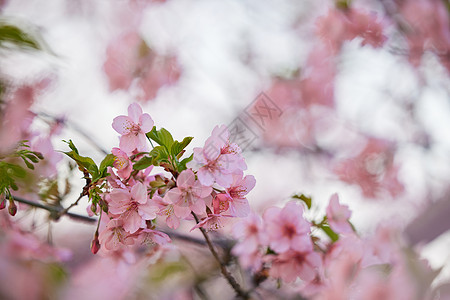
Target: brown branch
(231, 280)
(55, 210)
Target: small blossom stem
(231, 280)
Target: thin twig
(56, 210)
(231, 280)
(76, 128)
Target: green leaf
(12, 34)
(331, 234)
(305, 199)
(32, 157)
(159, 154)
(85, 162)
(16, 171)
(143, 163)
(182, 164)
(177, 147)
(29, 165)
(72, 146)
(162, 137)
(106, 162)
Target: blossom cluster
(284, 245)
(132, 200)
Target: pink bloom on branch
(122, 163)
(292, 264)
(338, 216)
(218, 160)
(114, 237)
(131, 65)
(150, 236)
(133, 129)
(166, 209)
(240, 187)
(133, 207)
(189, 195)
(287, 229)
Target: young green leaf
(143, 163)
(305, 199)
(162, 137)
(177, 146)
(331, 234)
(106, 162)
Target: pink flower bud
(3, 202)
(95, 244)
(12, 208)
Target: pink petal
(139, 193)
(186, 179)
(146, 123)
(134, 112)
(128, 142)
(122, 124)
(181, 211)
(205, 177)
(142, 143)
(200, 190)
(249, 182)
(240, 208)
(148, 211)
(199, 207)
(132, 222)
(174, 196)
(173, 222)
(119, 195)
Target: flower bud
(95, 244)
(2, 201)
(12, 208)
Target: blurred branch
(430, 224)
(55, 210)
(76, 128)
(231, 280)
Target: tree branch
(55, 210)
(231, 280)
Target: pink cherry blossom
(338, 216)
(131, 65)
(218, 160)
(166, 209)
(133, 129)
(150, 237)
(133, 207)
(122, 163)
(238, 204)
(252, 235)
(251, 231)
(212, 222)
(189, 195)
(292, 264)
(287, 229)
(114, 237)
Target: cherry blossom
(166, 209)
(238, 204)
(122, 163)
(292, 264)
(114, 237)
(338, 216)
(133, 129)
(132, 206)
(218, 160)
(189, 195)
(287, 229)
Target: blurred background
(323, 97)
